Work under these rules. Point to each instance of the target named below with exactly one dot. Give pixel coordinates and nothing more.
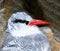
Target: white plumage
(22, 37)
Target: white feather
(23, 30)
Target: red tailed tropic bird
(24, 35)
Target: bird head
(19, 20)
(24, 18)
(22, 22)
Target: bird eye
(27, 22)
(21, 21)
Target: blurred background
(41, 9)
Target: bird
(23, 34)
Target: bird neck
(26, 31)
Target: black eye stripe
(21, 21)
(17, 20)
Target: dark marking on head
(20, 21)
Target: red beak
(38, 22)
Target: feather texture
(22, 37)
